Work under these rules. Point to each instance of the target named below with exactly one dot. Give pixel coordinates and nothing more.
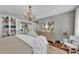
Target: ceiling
(40, 11)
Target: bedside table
(48, 35)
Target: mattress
(14, 45)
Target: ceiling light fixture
(28, 14)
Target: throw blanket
(39, 43)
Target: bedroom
(39, 29)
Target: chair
(72, 42)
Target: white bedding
(26, 38)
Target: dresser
(48, 35)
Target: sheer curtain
(77, 22)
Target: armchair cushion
(74, 38)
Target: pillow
(33, 27)
(32, 33)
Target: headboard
(25, 26)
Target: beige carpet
(54, 50)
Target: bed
(13, 44)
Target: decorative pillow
(33, 27)
(32, 33)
